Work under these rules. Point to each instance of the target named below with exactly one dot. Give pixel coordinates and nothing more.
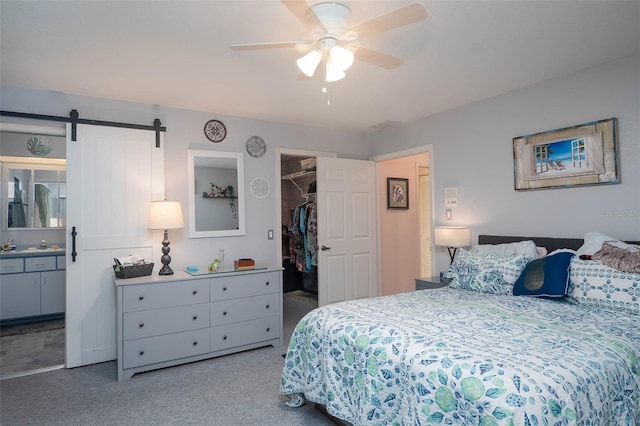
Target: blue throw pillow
(546, 277)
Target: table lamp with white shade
(453, 238)
(165, 215)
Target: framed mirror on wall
(216, 193)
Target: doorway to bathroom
(33, 270)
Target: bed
(454, 356)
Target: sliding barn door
(347, 259)
(112, 176)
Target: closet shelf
(299, 174)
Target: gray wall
(185, 130)
(472, 150)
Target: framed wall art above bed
(572, 156)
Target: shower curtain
(18, 215)
(43, 196)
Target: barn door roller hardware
(74, 119)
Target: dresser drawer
(11, 266)
(165, 321)
(234, 310)
(163, 295)
(223, 288)
(164, 348)
(245, 333)
(61, 262)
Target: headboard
(549, 243)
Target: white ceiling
(175, 53)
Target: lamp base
(166, 270)
(165, 259)
(452, 252)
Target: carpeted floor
(239, 389)
(304, 296)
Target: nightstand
(429, 283)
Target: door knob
(323, 248)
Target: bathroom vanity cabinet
(32, 284)
(168, 320)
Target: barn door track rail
(74, 119)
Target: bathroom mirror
(216, 193)
(35, 194)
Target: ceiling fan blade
(377, 58)
(259, 46)
(299, 9)
(397, 18)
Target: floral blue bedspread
(453, 356)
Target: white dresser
(170, 320)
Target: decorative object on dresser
(241, 264)
(397, 193)
(572, 156)
(165, 215)
(453, 238)
(169, 320)
(215, 131)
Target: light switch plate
(270, 234)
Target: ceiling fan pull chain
(325, 84)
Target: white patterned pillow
(592, 283)
(487, 273)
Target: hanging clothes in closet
(303, 241)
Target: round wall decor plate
(215, 130)
(259, 187)
(256, 146)
(39, 146)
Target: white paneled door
(347, 258)
(112, 176)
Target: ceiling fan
(334, 42)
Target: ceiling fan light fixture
(333, 72)
(309, 62)
(343, 58)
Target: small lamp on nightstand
(165, 215)
(452, 237)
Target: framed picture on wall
(568, 157)
(397, 193)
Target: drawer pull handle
(224, 337)
(140, 297)
(224, 313)
(195, 343)
(224, 288)
(195, 292)
(268, 329)
(141, 353)
(267, 306)
(195, 317)
(267, 283)
(141, 325)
